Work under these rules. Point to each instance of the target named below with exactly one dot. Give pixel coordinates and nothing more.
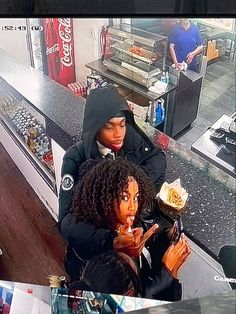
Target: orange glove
(176, 255)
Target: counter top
(210, 216)
(49, 98)
(210, 150)
(99, 67)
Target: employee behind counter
(185, 44)
(109, 131)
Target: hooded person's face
(112, 134)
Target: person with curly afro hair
(106, 203)
(109, 183)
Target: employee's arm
(193, 54)
(173, 55)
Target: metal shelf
(133, 55)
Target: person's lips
(117, 145)
(131, 218)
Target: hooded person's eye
(108, 126)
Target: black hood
(102, 104)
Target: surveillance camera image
(117, 162)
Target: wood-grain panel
(31, 244)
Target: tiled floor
(218, 98)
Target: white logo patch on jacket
(67, 182)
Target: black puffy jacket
(101, 105)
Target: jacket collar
(103, 150)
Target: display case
(26, 126)
(135, 54)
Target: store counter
(210, 217)
(46, 96)
(214, 152)
(39, 120)
(209, 221)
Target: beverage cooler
(24, 136)
(36, 45)
(51, 48)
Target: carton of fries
(173, 198)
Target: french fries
(173, 195)
(174, 198)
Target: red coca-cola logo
(52, 49)
(64, 29)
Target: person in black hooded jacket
(126, 140)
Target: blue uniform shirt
(185, 41)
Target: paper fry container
(171, 211)
(173, 199)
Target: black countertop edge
(59, 135)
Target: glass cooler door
(27, 128)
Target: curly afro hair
(108, 272)
(95, 194)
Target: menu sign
(219, 23)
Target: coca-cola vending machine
(55, 36)
(59, 41)
(36, 45)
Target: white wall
(87, 43)
(14, 41)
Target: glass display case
(27, 128)
(136, 54)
